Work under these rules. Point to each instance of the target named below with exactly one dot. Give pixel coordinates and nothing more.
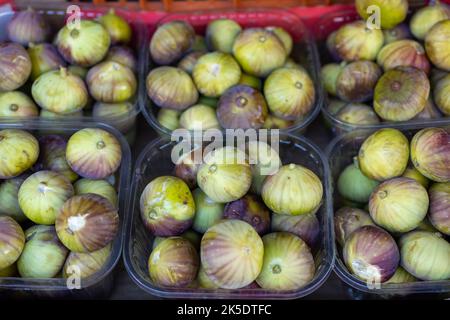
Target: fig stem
(74, 33)
(276, 269)
(13, 107)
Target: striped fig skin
(123, 55)
(87, 223)
(442, 95)
(306, 227)
(347, 220)
(431, 111)
(439, 212)
(93, 153)
(100, 187)
(401, 276)
(16, 104)
(404, 53)
(87, 263)
(9, 202)
(430, 153)
(28, 26)
(371, 254)
(15, 66)
(204, 281)
(437, 45)
(44, 57)
(12, 241)
(232, 253)
(19, 150)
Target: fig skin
(430, 149)
(221, 34)
(93, 153)
(293, 190)
(199, 44)
(199, 117)
(118, 28)
(242, 107)
(251, 210)
(399, 205)
(172, 88)
(306, 227)
(413, 173)
(173, 263)
(331, 46)
(356, 81)
(12, 241)
(425, 255)
(251, 47)
(232, 254)
(401, 94)
(204, 281)
(87, 223)
(87, 263)
(208, 212)
(284, 36)
(171, 41)
(250, 81)
(78, 71)
(167, 206)
(442, 95)
(347, 220)
(401, 276)
(404, 53)
(85, 46)
(384, 154)
(290, 93)
(400, 32)
(187, 166)
(16, 104)
(431, 111)
(123, 55)
(355, 42)
(329, 74)
(425, 18)
(44, 57)
(19, 150)
(353, 185)
(439, 212)
(99, 187)
(437, 45)
(122, 114)
(9, 202)
(288, 262)
(356, 113)
(28, 26)
(169, 118)
(371, 254)
(392, 12)
(273, 122)
(189, 61)
(215, 72)
(15, 66)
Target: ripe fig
(207, 211)
(189, 61)
(426, 17)
(187, 166)
(437, 45)
(347, 220)
(122, 114)
(99, 187)
(250, 81)
(273, 122)
(306, 227)
(12, 241)
(431, 111)
(403, 53)
(221, 34)
(169, 118)
(9, 202)
(85, 264)
(118, 28)
(44, 57)
(442, 94)
(123, 55)
(414, 174)
(284, 36)
(439, 212)
(329, 75)
(358, 113)
(391, 13)
(15, 104)
(199, 117)
(353, 185)
(400, 32)
(401, 276)
(28, 26)
(15, 66)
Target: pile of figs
(227, 222)
(82, 69)
(58, 205)
(394, 223)
(231, 78)
(399, 72)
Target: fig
(354, 41)
(53, 156)
(118, 28)
(273, 122)
(436, 75)
(122, 114)
(172, 88)
(15, 66)
(331, 46)
(442, 95)
(430, 111)
(384, 154)
(249, 209)
(99, 187)
(84, 46)
(86, 264)
(199, 117)
(49, 115)
(199, 44)
(9, 272)
(12, 241)
(391, 13)
(171, 41)
(426, 17)
(329, 74)
(335, 105)
(207, 211)
(250, 81)
(399, 205)
(187, 166)
(232, 254)
(401, 276)
(44, 57)
(209, 101)
(93, 153)
(28, 26)
(259, 51)
(173, 263)
(306, 227)
(111, 82)
(19, 151)
(353, 185)
(357, 80)
(425, 255)
(43, 255)
(358, 113)
(87, 223)
(430, 149)
(169, 118)
(221, 34)
(284, 36)
(439, 212)
(371, 254)
(60, 91)
(288, 262)
(78, 71)
(204, 281)
(9, 202)
(413, 173)
(190, 60)
(290, 93)
(437, 45)
(242, 107)
(425, 225)
(167, 206)
(193, 237)
(225, 175)
(293, 190)
(399, 32)
(290, 63)
(347, 220)
(15, 104)
(123, 55)
(403, 53)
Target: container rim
(320, 278)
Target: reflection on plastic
(73, 277)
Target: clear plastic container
(101, 283)
(155, 160)
(340, 153)
(304, 52)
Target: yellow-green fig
(358, 113)
(204, 281)
(16, 104)
(190, 60)
(284, 36)
(9, 202)
(273, 122)
(439, 212)
(100, 187)
(384, 154)
(12, 241)
(403, 53)
(221, 34)
(353, 185)
(121, 114)
(199, 44)
(401, 276)
(15, 66)
(329, 74)
(199, 117)
(391, 12)
(437, 45)
(169, 118)
(442, 94)
(44, 57)
(118, 28)
(414, 174)
(207, 211)
(426, 17)
(85, 264)
(250, 81)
